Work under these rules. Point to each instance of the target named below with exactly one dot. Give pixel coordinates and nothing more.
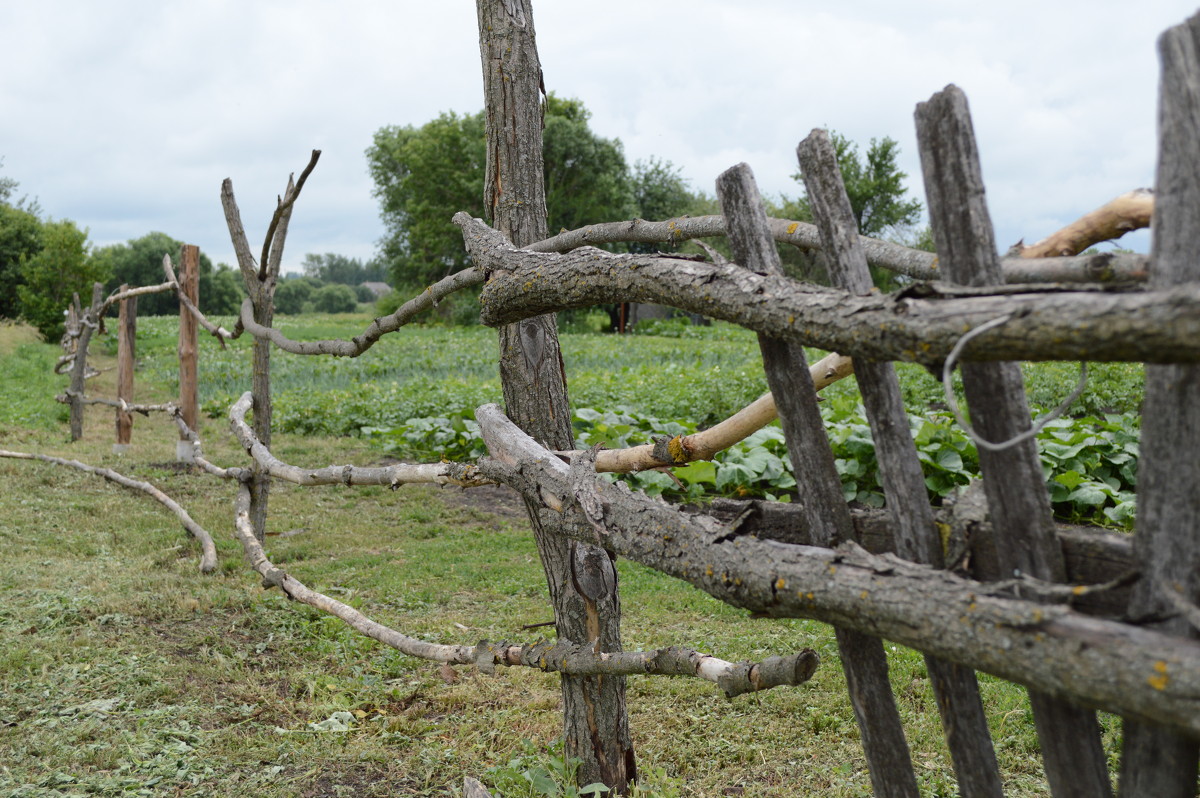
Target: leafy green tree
(875, 186)
(225, 291)
(878, 198)
(60, 268)
(333, 268)
(587, 179)
(20, 239)
(335, 298)
(295, 294)
(138, 262)
(424, 175)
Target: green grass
(127, 672)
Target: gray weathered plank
(863, 658)
(1074, 759)
(1157, 763)
(955, 687)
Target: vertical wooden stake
(126, 339)
(189, 402)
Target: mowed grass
(127, 672)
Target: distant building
(378, 289)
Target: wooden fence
(1085, 620)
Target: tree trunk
(581, 577)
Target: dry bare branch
(915, 263)
(393, 476)
(220, 333)
(208, 557)
(1054, 649)
(376, 330)
(1130, 211)
(279, 220)
(733, 678)
(921, 324)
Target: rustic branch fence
(1084, 620)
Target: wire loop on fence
(952, 403)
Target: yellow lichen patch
(1079, 590)
(708, 571)
(1159, 680)
(863, 594)
(810, 596)
(780, 584)
(832, 570)
(793, 227)
(675, 449)
(791, 319)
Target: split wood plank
(1075, 763)
(863, 658)
(1157, 763)
(955, 687)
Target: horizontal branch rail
(376, 330)
(916, 263)
(733, 678)
(1043, 323)
(1111, 666)
(394, 476)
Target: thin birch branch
(208, 558)
(733, 678)
(683, 449)
(377, 328)
(915, 263)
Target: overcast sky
(125, 115)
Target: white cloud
(127, 115)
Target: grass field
(127, 672)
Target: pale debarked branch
(208, 557)
(733, 678)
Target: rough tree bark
(581, 578)
(189, 377)
(920, 324)
(1156, 762)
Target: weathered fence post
(89, 322)
(581, 577)
(1157, 763)
(126, 345)
(189, 402)
(820, 490)
(954, 686)
(1018, 501)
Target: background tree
(587, 179)
(335, 298)
(878, 199)
(424, 175)
(334, 268)
(294, 294)
(60, 268)
(20, 239)
(139, 262)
